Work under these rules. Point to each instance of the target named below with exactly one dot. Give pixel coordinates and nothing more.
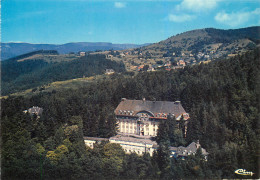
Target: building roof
(110, 70)
(95, 138)
(153, 107)
(133, 139)
(190, 149)
(35, 110)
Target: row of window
(124, 112)
(128, 130)
(135, 127)
(161, 115)
(134, 122)
(126, 117)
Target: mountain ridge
(12, 49)
(195, 46)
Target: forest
(18, 76)
(222, 98)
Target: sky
(125, 21)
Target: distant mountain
(9, 50)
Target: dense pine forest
(222, 98)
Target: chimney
(143, 100)
(178, 102)
(123, 99)
(198, 144)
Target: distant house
(151, 68)
(181, 63)
(168, 64)
(122, 55)
(207, 56)
(204, 62)
(34, 110)
(232, 55)
(133, 68)
(82, 53)
(110, 71)
(200, 55)
(139, 68)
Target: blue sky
(126, 21)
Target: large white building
(138, 122)
(141, 117)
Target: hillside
(9, 50)
(222, 98)
(193, 47)
(19, 74)
(208, 41)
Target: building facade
(140, 146)
(138, 122)
(141, 117)
(129, 144)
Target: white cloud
(197, 5)
(119, 5)
(256, 11)
(236, 18)
(179, 18)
